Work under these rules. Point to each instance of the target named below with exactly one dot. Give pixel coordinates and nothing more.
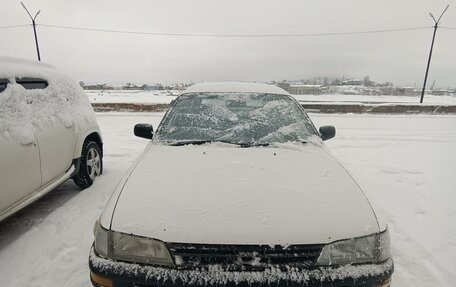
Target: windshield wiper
(252, 144)
(187, 142)
(200, 142)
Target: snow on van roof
(234, 87)
(12, 60)
(23, 68)
(24, 111)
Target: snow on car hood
(223, 194)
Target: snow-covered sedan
(48, 133)
(236, 188)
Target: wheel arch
(96, 138)
(93, 134)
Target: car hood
(224, 194)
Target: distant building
(130, 86)
(440, 92)
(354, 82)
(284, 85)
(153, 87)
(300, 89)
(98, 87)
(405, 91)
(176, 86)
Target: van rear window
(32, 83)
(3, 84)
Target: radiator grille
(244, 257)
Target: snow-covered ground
(405, 163)
(165, 97)
(376, 99)
(137, 97)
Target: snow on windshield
(24, 111)
(245, 118)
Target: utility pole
(34, 29)
(430, 52)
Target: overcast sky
(93, 57)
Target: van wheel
(91, 165)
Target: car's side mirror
(144, 131)
(327, 132)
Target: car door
(56, 140)
(20, 173)
(56, 143)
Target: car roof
(234, 87)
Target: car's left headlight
(131, 248)
(367, 249)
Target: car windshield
(236, 118)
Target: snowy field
(406, 164)
(162, 97)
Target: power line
(14, 26)
(232, 35)
(448, 28)
(222, 35)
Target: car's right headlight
(129, 247)
(373, 248)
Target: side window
(32, 83)
(3, 84)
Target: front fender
(108, 212)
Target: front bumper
(120, 274)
